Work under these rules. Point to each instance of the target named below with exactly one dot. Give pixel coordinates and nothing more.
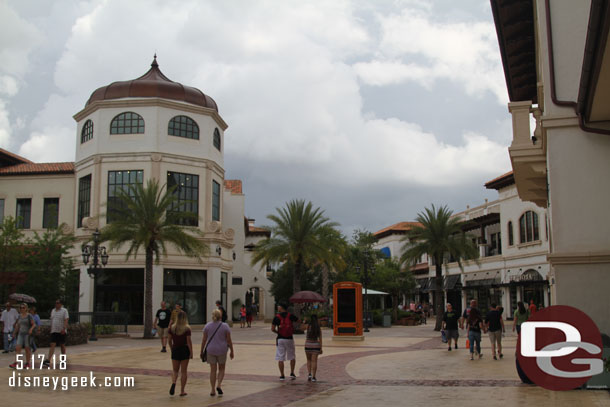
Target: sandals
(219, 391)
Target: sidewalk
(393, 366)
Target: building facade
(557, 67)
(513, 247)
(128, 133)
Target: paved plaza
(393, 366)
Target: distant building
(513, 245)
(128, 133)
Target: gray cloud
(325, 101)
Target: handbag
(204, 355)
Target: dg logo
(560, 348)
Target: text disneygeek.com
(70, 382)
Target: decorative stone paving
(252, 379)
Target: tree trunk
(395, 306)
(148, 277)
(325, 285)
(296, 283)
(438, 295)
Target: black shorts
(181, 353)
(58, 338)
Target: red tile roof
(233, 185)
(253, 230)
(31, 168)
(397, 228)
(502, 181)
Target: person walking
(532, 307)
(313, 347)
(450, 325)
(182, 351)
(59, 329)
(249, 316)
(282, 326)
(162, 324)
(474, 324)
(495, 327)
(242, 316)
(520, 316)
(23, 330)
(36, 330)
(215, 343)
(9, 317)
(175, 312)
(222, 310)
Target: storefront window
(121, 290)
(188, 288)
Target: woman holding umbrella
(23, 330)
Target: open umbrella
(306, 296)
(22, 298)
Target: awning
(484, 282)
(451, 281)
(422, 283)
(374, 292)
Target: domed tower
(152, 127)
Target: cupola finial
(154, 62)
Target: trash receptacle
(387, 320)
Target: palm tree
(296, 237)
(441, 238)
(143, 218)
(334, 260)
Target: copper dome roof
(153, 84)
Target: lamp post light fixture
(366, 291)
(99, 260)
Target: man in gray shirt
(8, 318)
(59, 327)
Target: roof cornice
(147, 102)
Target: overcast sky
(372, 110)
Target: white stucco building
(556, 59)
(127, 133)
(513, 245)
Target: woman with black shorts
(182, 351)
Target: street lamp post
(366, 291)
(95, 268)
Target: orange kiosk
(347, 311)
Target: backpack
(285, 330)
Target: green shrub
(101, 329)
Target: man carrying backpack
(282, 326)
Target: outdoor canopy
(306, 296)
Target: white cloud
(5, 127)
(50, 143)
(465, 53)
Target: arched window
(217, 139)
(183, 126)
(127, 123)
(87, 133)
(511, 239)
(528, 227)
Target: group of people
(21, 327)
(246, 314)
(216, 344)
(493, 324)
(174, 330)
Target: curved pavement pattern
(398, 366)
